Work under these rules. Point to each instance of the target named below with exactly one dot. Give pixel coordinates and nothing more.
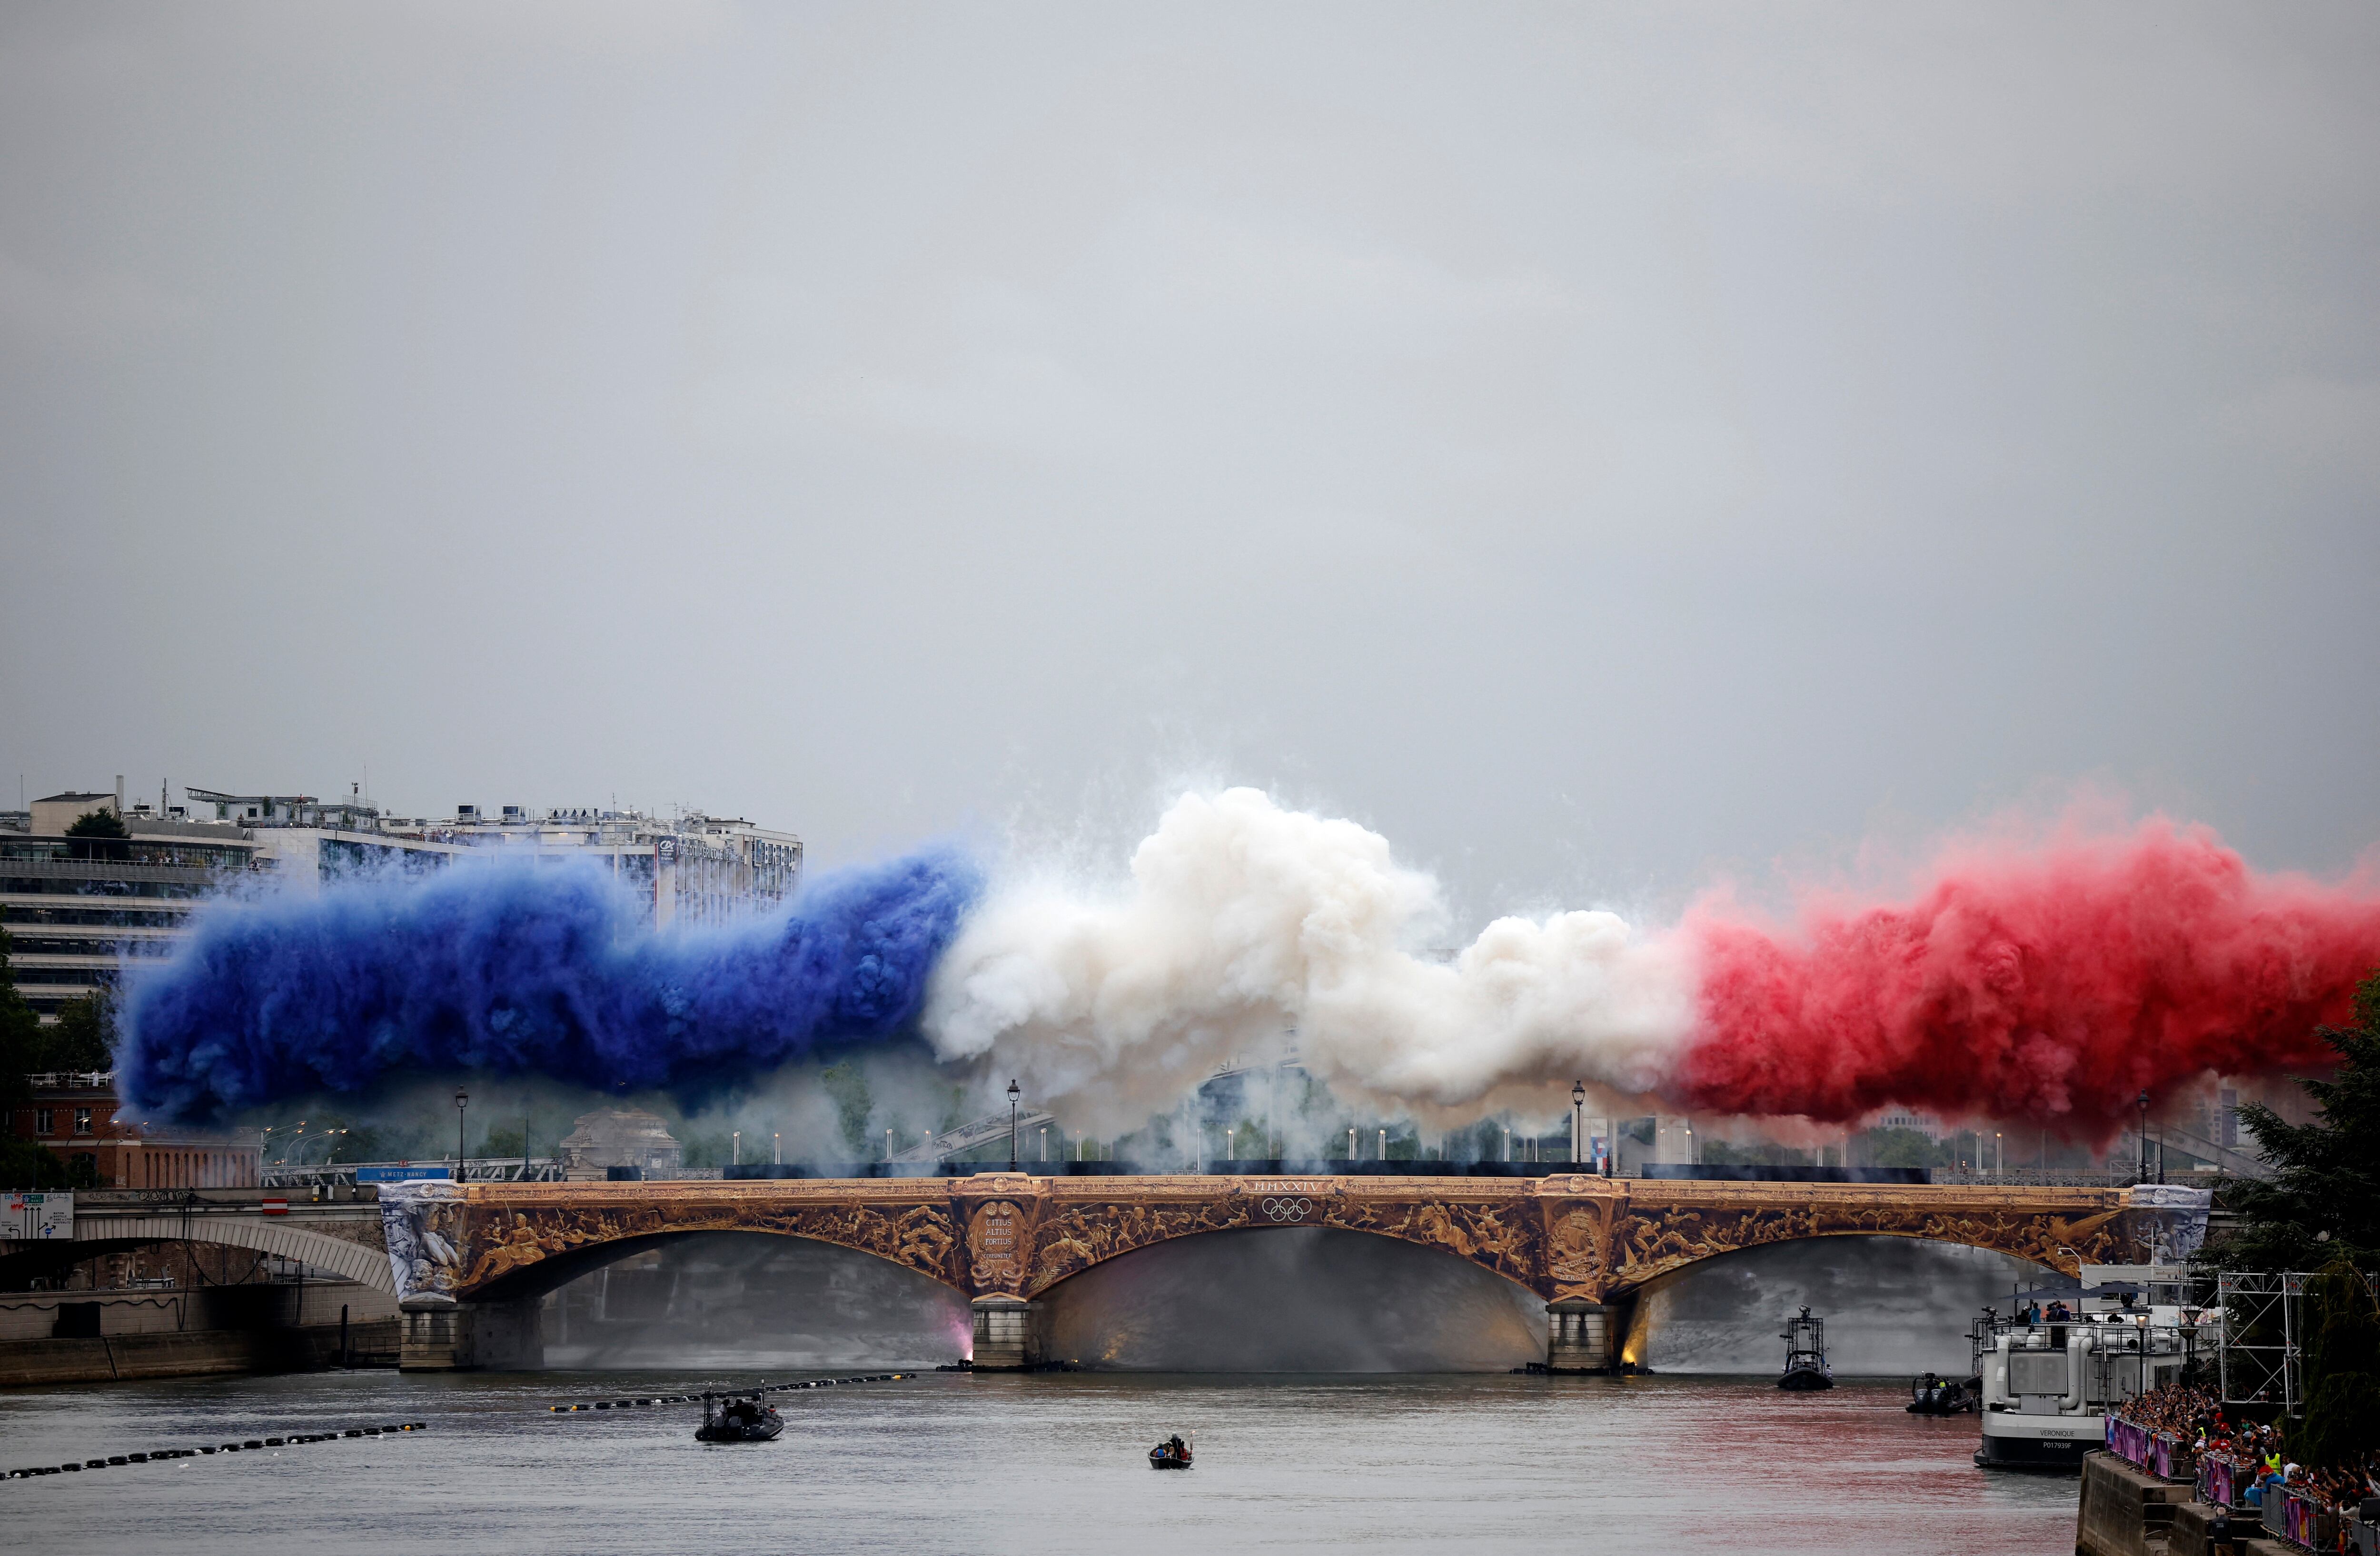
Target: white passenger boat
(2050, 1372)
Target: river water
(1046, 1464)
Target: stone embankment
(190, 1354)
(89, 1336)
(2127, 1511)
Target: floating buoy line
(746, 1393)
(161, 1456)
(294, 1439)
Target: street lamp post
(1577, 1118)
(777, 1145)
(736, 1145)
(462, 1100)
(2145, 1135)
(1013, 1094)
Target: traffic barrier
(2223, 1481)
(158, 1455)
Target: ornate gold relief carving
(1563, 1236)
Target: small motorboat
(1805, 1354)
(1172, 1453)
(1930, 1395)
(740, 1420)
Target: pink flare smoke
(2053, 987)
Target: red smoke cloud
(2052, 987)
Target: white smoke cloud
(1241, 919)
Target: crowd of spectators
(2196, 1417)
(2192, 1415)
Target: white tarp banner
(34, 1216)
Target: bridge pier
(465, 1337)
(1007, 1334)
(1583, 1336)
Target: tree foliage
(29, 1048)
(706, 1147)
(1762, 1154)
(2342, 1365)
(28, 1164)
(82, 1038)
(1903, 1147)
(853, 1105)
(99, 835)
(2322, 1200)
(21, 1038)
(84, 1035)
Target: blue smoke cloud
(519, 970)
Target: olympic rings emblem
(1286, 1210)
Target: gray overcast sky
(1597, 445)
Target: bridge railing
(548, 1170)
(2036, 1177)
(1367, 1167)
(899, 1168)
(494, 1169)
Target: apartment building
(77, 909)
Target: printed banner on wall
(31, 1216)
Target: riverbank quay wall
(469, 1261)
(2122, 1511)
(195, 1353)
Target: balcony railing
(72, 1080)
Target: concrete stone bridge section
(470, 1259)
(346, 1239)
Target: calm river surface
(1044, 1464)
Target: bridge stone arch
(451, 1244)
(534, 1280)
(1480, 1222)
(364, 1262)
(1666, 1227)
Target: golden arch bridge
(468, 1260)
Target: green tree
(84, 1035)
(1760, 1153)
(2342, 1367)
(1903, 1147)
(21, 1038)
(853, 1105)
(98, 835)
(706, 1149)
(2322, 1200)
(28, 1165)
